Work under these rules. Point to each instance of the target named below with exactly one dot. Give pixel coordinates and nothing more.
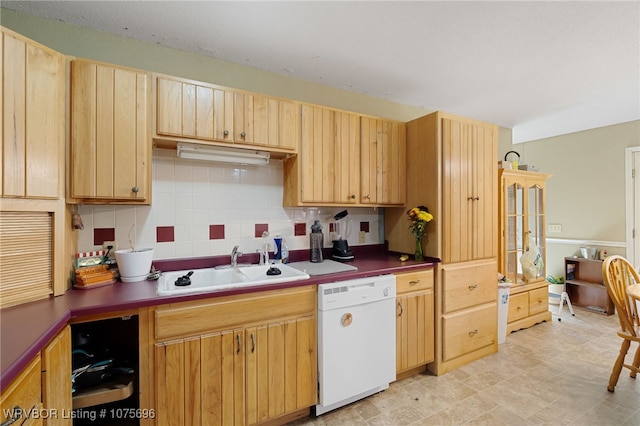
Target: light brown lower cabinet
(41, 394)
(22, 396)
(466, 314)
(236, 360)
(414, 321)
(528, 305)
(56, 379)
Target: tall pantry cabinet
(32, 204)
(452, 170)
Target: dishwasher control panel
(354, 292)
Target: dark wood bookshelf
(585, 286)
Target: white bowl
(134, 265)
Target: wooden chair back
(618, 274)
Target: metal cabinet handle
(368, 197)
(353, 196)
(401, 309)
(473, 286)
(473, 198)
(473, 333)
(238, 339)
(414, 282)
(135, 189)
(16, 414)
(243, 134)
(226, 133)
(253, 343)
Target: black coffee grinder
(341, 251)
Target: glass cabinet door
(514, 228)
(535, 225)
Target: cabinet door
(288, 125)
(535, 226)
(383, 162)
(56, 385)
(347, 157)
(33, 116)
(223, 372)
(264, 121)
(22, 395)
(317, 155)
(281, 365)
(200, 381)
(110, 149)
(169, 374)
(513, 225)
(191, 110)
(245, 117)
(469, 191)
(329, 156)
(414, 330)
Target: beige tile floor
(551, 374)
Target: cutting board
(323, 268)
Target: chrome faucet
(235, 253)
(263, 255)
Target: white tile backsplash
(191, 195)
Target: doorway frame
(632, 201)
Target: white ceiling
(542, 68)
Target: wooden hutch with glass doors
(522, 219)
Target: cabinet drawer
(468, 285)
(24, 392)
(518, 306)
(414, 281)
(538, 300)
(220, 313)
(469, 330)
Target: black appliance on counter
(341, 251)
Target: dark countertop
(27, 328)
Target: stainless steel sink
(212, 279)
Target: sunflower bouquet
(418, 218)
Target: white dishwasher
(356, 340)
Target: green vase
(418, 254)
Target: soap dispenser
(316, 242)
(280, 250)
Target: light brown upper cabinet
(325, 171)
(33, 114)
(383, 158)
(470, 196)
(346, 159)
(191, 110)
(451, 169)
(263, 121)
(110, 143)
